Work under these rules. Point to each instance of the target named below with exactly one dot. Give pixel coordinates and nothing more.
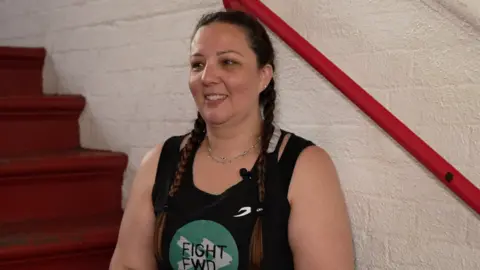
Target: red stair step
(32, 125)
(74, 244)
(21, 71)
(69, 184)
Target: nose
(210, 74)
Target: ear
(266, 74)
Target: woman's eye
(228, 62)
(196, 65)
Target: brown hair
(261, 44)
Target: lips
(214, 100)
(215, 97)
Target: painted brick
(142, 83)
(354, 142)
(434, 254)
(141, 136)
(357, 141)
(147, 134)
(471, 261)
(145, 55)
(357, 208)
(28, 41)
(173, 127)
(324, 8)
(379, 69)
(358, 240)
(373, 251)
(77, 62)
(181, 107)
(451, 104)
(392, 216)
(178, 25)
(24, 25)
(381, 178)
(449, 141)
(467, 10)
(392, 266)
(407, 30)
(119, 108)
(339, 36)
(107, 11)
(442, 221)
(21, 7)
(103, 130)
(295, 75)
(319, 107)
(111, 84)
(475, 146)
(452, 66)
(383, 146)
(170, 81)
(473, 230)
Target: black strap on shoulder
(294, 147)
(279, 143)
(167, 164)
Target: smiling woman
(225, 78)
(237, 192)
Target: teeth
(215, 97)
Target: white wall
(467, 10)
(128, 58)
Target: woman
(236, 192)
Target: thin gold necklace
(225, 160)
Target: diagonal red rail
(443, 170)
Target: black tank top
(206, 231)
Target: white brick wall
(420, 61)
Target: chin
(215, 118)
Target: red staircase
(60, 204)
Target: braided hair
(260, 43)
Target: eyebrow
(220, 53)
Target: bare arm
(319, 226)
(134, 250)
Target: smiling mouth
(215, 97)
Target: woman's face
(225, 80)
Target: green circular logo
(203, 244)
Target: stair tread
(40, 238)
(22, 52)
(41, 103)
(81, 159)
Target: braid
(197, 135)
(267, 99)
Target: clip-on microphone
(246, 175)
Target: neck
(230, 139)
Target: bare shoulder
(314, 167)
(319, 227)
(149, 163)
(134, 249)
(145, 178)
(151, 158)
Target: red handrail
(444, 171)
